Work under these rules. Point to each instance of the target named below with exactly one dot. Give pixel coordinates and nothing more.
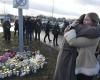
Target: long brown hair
(81, 18)
(94, 17)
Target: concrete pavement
(60, 38)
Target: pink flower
(7, 54)
(3, 59)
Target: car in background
(62, 26)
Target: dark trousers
(84, 77)
(47, 34)
(55, 40)
(37, 36)
(29, 37)
(15, 32)
(7, 35)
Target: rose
(3, 59)
(12, 54)
(7, 54)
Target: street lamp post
(21, 43)
(21, 4)
(4, 9)
(52, 10)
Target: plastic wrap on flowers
(21, 63)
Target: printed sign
(24, 4)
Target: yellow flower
(7, 49)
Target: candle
(35, 70)
(2, 75)
(9, 73)
(17, 73)
(14, 71)
(42, 65)
(5, 74)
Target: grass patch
(50, 53)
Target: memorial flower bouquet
(21, 63)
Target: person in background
(55, 33)
(29, 29)
(47, 31)
(37, 29)
(6, 27)
(16, 28)
(66, 23)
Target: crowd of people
(32, 28)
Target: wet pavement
(60, 38)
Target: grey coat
(65, 67)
